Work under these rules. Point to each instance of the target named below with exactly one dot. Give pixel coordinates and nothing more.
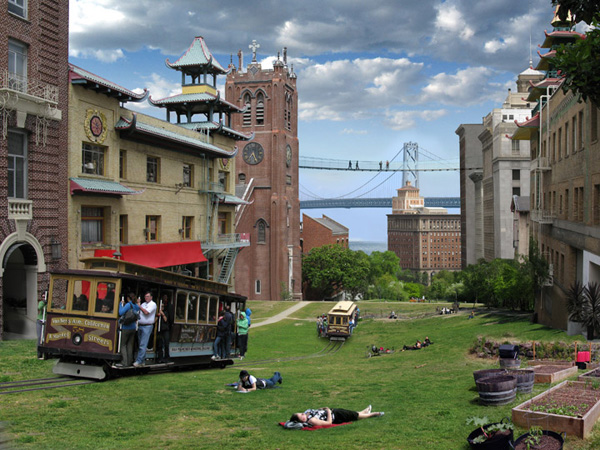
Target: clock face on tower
(253, 153)
(288, 156)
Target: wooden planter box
(556, 376)
(591, 376)
(578, 426)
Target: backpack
(291, 425)
(129, 317)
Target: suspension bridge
(385, 176)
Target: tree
(330, 269)
(383, 262)
(578, 61)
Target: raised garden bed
(571, 406)
(592, 376)
(548, 373)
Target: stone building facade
(33, 148)
(425, 239)
(317, 232)
(267, 177)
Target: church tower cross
(254, 46)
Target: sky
(371, 76)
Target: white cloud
(404, 120)
(352, 131)
(450, 19)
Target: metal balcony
(222, 241)
(540, 164)
(543, 217)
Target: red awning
(159, 255)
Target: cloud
(404, 120)
(354, 89)
(159, 88)
(351, 131)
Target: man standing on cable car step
(145, 324)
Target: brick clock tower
(267, 177)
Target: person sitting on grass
(427, 342)
(335, 416)
(249, 383)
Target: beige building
(147, 190)
(425, 239)
(565, 185)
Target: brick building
(317, 232)
(425, 239)
(33, 147)
(159, 193)
(267, 177)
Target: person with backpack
(128, 327)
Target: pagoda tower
(267, 177)
(199, 107)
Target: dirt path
(281, 315)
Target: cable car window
(203, 310)
(81, 295)
(180, 307)
(60, 287)
(212, 310)
(192, 314)
(105, 297)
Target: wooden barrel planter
(484, 373)
(510, 363)
(547, 438)
(498, 390)
(525, 380)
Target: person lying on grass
(326, 416)
(248, 383)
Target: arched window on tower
(260, 109)
(261, 227)
(248, 111)
(288, 115)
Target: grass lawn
(427, 395)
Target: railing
(20, 209)
(28, 86)
(540, 163)
(543, 216)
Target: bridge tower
(410, 164)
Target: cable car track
(331, 348)
(10, 387)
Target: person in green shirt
(242, 331)
(41, 319)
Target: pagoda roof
(196, 58)
(218, 127)
(526, 128)
(88, 80)
(544, 63)
(139, 131)
(562, 35)
(196, 102)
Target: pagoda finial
(285, 56)
(240, 60)
(254, 46)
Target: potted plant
(538, 439)
(490, 436)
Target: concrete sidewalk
(281, 315)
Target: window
(152, 228)
(559, 144)
(18, 7)
(123, 229)
(222, 223)
(123, 164)
(257, 287)
(574, 132)
(17, 66)
(516, 146)
(516, 175)
(92, 158)
(223, 180)
(260, 109)
(152, 169)
(567, 149)
(187, 224)
(262, 232)
(188, 175)
(580, 130)
(516, 191)
(17, 165)
(594, 121)
(92, 225)
(247, 118)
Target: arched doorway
(20, 285)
